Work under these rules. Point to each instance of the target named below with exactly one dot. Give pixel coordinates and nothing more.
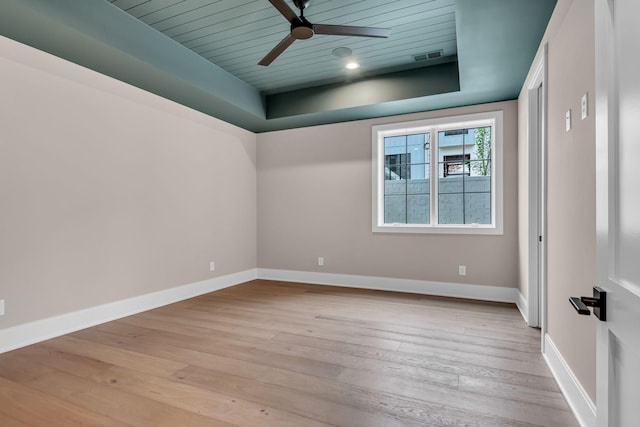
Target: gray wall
(571, 233)
(314, 199)
(109, 192)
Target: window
(439, 176)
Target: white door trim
(537, 190)
(605, 58)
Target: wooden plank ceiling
(235, 35)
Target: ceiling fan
(301, 29)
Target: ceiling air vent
(428, 56)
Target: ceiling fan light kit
(302, 29)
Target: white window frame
(378, 133)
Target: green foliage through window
(483, 151)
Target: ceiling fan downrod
(302, 29)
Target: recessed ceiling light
(341, 52)
(351, 65)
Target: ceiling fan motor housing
(302, 30)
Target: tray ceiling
(204, 53)
(235, 35)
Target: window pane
(396, 158)
(477, 208)
(395, 144)
(478, 185)
(395, 209)
(419, 182)
(418, 209)
(450, 208)
(464, 176)
(406, 173)
(481, 153)
(416, 148)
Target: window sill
(439, 229)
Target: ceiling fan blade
(277, 51)
(346, 30)
(285, 10)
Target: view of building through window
(464, 177)
(406, 195)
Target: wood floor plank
(219, 407)
(409, 313)
(205, 322)
(423, 336)
(476, 402)
(7, 421)
(13, 367)
(411, 354)
(355, 335)
(255, 350)
(206, 360)
(288, 399)
(116, 356)
(125, 407)
(269, 353)
(36, 408)
(326, 328)
(397, 405)
(520, 393)
(440, 326)
(226, 407)
(263, 315)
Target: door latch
(598, 302)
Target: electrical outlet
(212, 266)
(462, 270)
(1, 307)
(567, 121)
(320, 261)
(584, 106)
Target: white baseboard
(579, 401)
(30, 333)
(523, 306)
(40, 330)
(457, 290)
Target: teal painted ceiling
(204, 53)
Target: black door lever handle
(598, 302)
(579, 306)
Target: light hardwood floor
(285, 354)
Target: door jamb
(606, 113)
(537, 192)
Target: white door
(618, 210)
